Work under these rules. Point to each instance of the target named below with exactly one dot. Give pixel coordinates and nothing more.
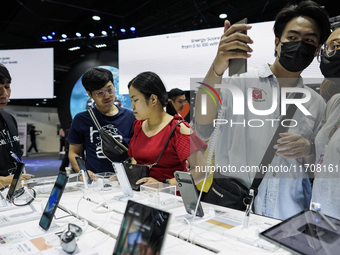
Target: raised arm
(230, 42)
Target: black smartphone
(238, 65)
(189, 193)
(81, 164)
(15, 181)
(53, 201)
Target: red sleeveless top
(146, 150)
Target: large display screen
(177, 57)
(31, 71)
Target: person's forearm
(72, 157)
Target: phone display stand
(106, 181)
(45, 184)
(250, 236)
(160, 195)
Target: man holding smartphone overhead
(300, 30)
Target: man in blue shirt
(84, 135)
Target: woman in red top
(152, 128)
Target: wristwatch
(312, 148)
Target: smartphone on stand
(189, 193)
(238, 65)
(81, 164)
(53, 201)
(15, 181)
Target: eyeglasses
(182, 101)
(102, 94)
(329, 49)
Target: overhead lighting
(95, 17)
(64, 36)
(50, 37)
(53, 33)
(104, 32)
(110, 27)
(123, 30)
(44, 38)
(91, 34)
(78, 34)
(62, 40)
(133, 29)
(74, 48)
(101, 45)
(223, 16)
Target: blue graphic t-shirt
(84, 131)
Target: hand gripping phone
(81, 164)
(53, 201)
(189, 193)
(238, 65)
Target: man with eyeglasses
(177, 98)
(326, 190)
(83, 134)
(299, 30)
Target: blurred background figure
(177, 98)
(33, 134)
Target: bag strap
(94, 119)
(270, 152)
(166, 143)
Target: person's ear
(172, 101)
(153, 99)
(277, 43)
(317, 50)
(89, 93)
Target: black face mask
(296, 56)
(330, 66)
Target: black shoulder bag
(231, 193)
(136, 172)
(112, 149)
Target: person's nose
(3, 92)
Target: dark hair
(5, 77)
(305, 9)
(96, 78)
(174, 93)
(149, 83)
(329, 88)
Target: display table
(200, 237)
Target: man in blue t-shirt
(83, 134)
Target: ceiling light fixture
(122, 30)
(223, 16)
(78, 34)
(133, 29)
(95, 17)
(91, 34)
(74, 48)
(50, 37)
(101, 45)
(64, 36)
(44, 38)
(104, 32)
